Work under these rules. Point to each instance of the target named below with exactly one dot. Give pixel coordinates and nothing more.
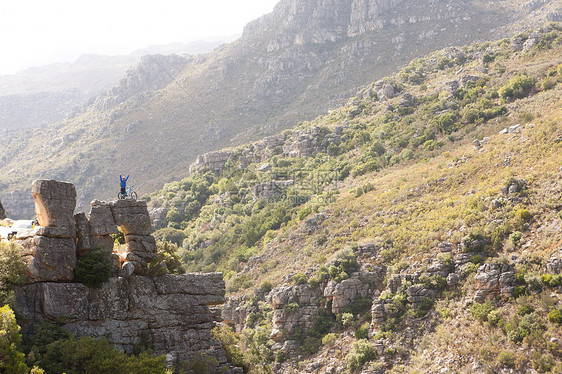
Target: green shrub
(89, 355)
(266, 287)
(347, 319)
(299, 278)
(167, 260)
(170, 234)
(517, 335)
(344, 263)
(507, 358)
(555, 316)
(446, 123)
(515, 237)
(361, 352)
(494, 317)
(518, 87)
(525, 309)
(552, 280)
(94, 268)
(12, 360)
(363, 331)
(12, 270)
(229, 341)
(481, 311)
(241, 282)
(474, 242)
(329, 339)
(424, 307)
(290, 307)
(519, 291)
(548, 84)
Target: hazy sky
(36, 32)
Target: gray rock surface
(49, 259)
(172, 311)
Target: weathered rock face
(494, 280)
(359, 285)
(212, 160)
(174, 312)
(293, 306)
(49, 259)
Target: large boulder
(55, 202)
(101, 219)
(132, 216)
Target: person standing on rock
(123, 184)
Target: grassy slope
(419, 199)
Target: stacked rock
(95, 230)
(133, 218)
(51, 253)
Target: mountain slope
(288, 66)
(47, 94)
(384, 237)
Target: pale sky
(37, 32)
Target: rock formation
(2, 211)
(50, 250)
(494, 280)
(172, 313)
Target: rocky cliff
(173, 314)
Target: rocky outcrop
(554, 264)
(494, 280)
(308, 142)
(297, 143)
(19, 204)
(51, 250)
(212, 160)
(358, 285)
(293, 307)
(554, 17)
(171, 313)
(2, 211)
(152, 73)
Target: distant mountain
(304, 58)
(45, 94)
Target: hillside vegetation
(401, 194)
(292, 65)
